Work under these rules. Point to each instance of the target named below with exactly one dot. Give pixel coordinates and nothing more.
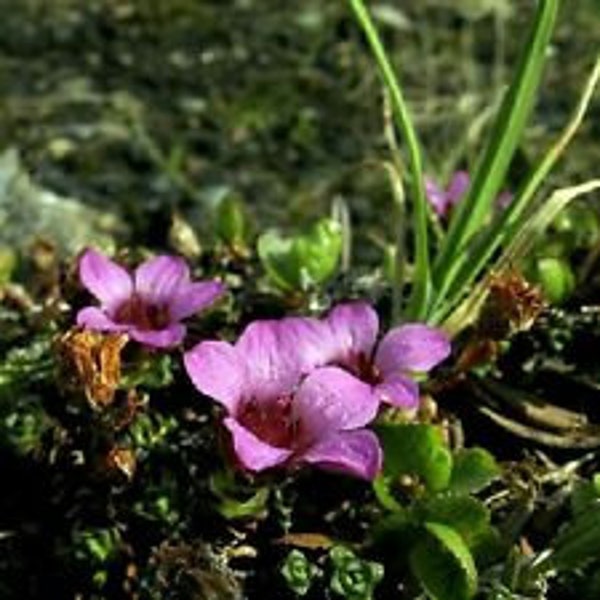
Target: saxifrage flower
(351, 342)
(147, 305)
(443, 201)
(281, 410)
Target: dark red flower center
(144, 315)
(272, 422)
(363, 367)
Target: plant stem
(421, 289)
(497, 155)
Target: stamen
(145, 316)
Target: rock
(29, 212)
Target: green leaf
(299, 572)
(150, 430)
(26, 365)
(556, 278)
(474, 469)
(443, 564)
(8, 264)
(353, 578)
(256, 505)
(153, 371)
(23, 424)
(231, 222)
(579, 542)
(578, 226)
(397, 531)
(419, 450)
(585, 494)
(236, 501)
(302, 261)
(382, 488)
(465, 514)
(95, 546)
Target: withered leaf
(91, 361)
(122, 460)
(309, 541)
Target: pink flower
(443, 201)
(386, 367)
(281, 410)
(147, 305)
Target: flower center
(272, 422)
(144, 315)
(364, 368)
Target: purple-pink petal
(159, 279)
(399, 391)
(443, 200)
(457, 187)
(94, 318)
(306, 337)
(218, 371)
(412, 347)
(331, 399)
(193, 297)
(436, 197)
(254, 454)
(106, 280)
(278, 354)
(354, 327)
(161, 338)
(356, 453)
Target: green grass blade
(504, 140)
(418, 302)
(519, 246)
(511, 220)
(521, 243)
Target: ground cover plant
(256, 364)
